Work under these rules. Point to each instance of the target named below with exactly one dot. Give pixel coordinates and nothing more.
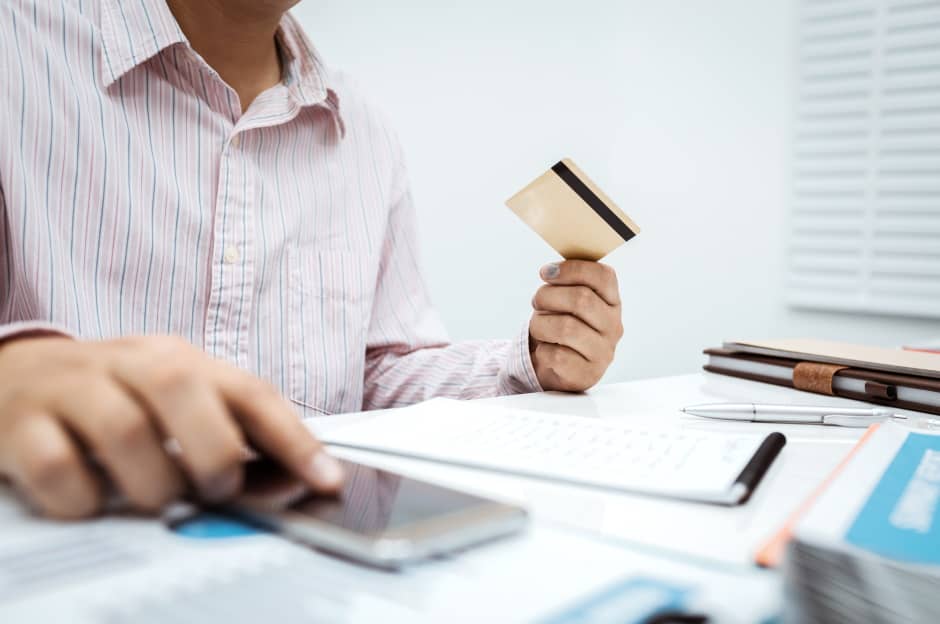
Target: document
(685, 464)
(119, 570)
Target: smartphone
(379, 518)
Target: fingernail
(223, 486)
(325, 472)
(550, 271)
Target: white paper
(117, 570)
(690, 464)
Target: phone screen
(372, 500)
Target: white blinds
(865, 222)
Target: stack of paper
(868, 547)
(832, 584)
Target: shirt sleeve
(11, 330)
(408, 355)
(29, 329)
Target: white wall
(679, 110)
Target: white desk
(133, 569)
(717, 535)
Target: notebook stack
(893, 377)
(833, 584)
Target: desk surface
(715, 535)
(131, 567)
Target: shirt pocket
(329, 303)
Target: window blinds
(865, 218)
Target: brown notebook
(842, 353)
(920, 392)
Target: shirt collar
(134, 32)
(305, 74)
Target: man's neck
(236, 39)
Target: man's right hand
(63, 402)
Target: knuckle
(576, 271)
(80, 507)
(45, 468)
(130, 430)
(540, 299)
(221, 476)
(169, 346)
(15, 404)
(103, 397)
(558, 363)
(563, 360)
(223, 461)
(537, 326)
(553, 355)
(584, 297)
(176, 343)
(170, 376)
(548, 354)
(155, 497)
(572, 361)
(567, 325)
(146, 503)
(74, 383)
(257, 390)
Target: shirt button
(236, 140)
(231, 255)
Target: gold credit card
(572, 214)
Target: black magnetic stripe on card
(597, 205)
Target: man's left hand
(576, 324)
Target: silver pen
(795, 414)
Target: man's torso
(149, 205)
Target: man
(191, 203)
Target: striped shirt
(137, 198)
